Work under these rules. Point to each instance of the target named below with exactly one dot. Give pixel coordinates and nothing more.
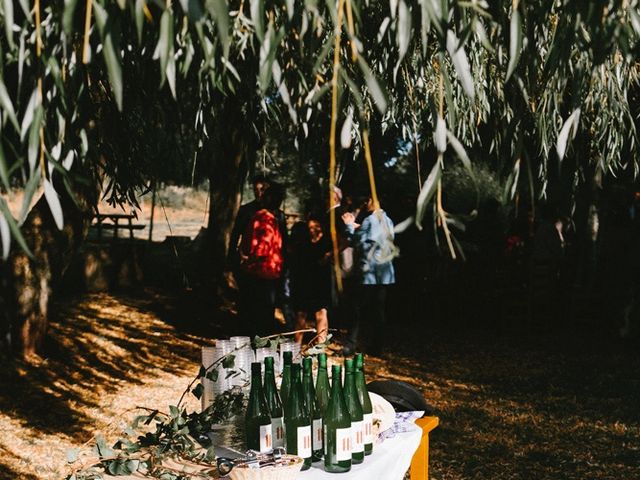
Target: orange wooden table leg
(420, 462)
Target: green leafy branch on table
(176, 432)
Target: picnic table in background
(115, 222)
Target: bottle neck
(256, 383)
(269, 376)
(322, 362)
(336, 387)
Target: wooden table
(111, 221)
(420, 461)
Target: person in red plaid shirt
(261, 264)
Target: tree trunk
(226, 179)
(31, 279)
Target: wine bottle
(355, 412)
(337, 428)
(322, 384)
(297, 423)
(313, 408)
(365, 401)
(257, 419)
(273, 403)
(287, 359)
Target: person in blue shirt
(374, 252)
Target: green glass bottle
(297, 423)
(365, 401)
(273, 403)
(313, 408)
(257, 419)
(355, 412)
(322, 384)
(337, 428)
(285, 386)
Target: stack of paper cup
(208, 357)
(222, 348)
(289, 345)
(242, 365)
(264, 352)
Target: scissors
(252, 459)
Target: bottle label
(357, 437)
(277, 430)
(304, 442)
(368, 428)
(317, 435)
(343, 444)
(265, 438)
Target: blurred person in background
(374, 251)
(261, 265)
(244, 216)
(310, 267)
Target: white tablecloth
(390, 460)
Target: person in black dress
(310, 270)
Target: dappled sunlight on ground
(510, 407)
(104, 356)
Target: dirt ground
(514, 406)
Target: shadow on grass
(8, 473)
(518, 407)
(95, 345)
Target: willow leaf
(219, 9)
(355, 91)
(4, 171)
(110, 52)
(461, 64)
(5, 237)
(34, 103)
(512, 182)
(460, 152)
(26, 9)
(139, 18)
(345, 132)
(53, 200)
(8, 21)
(403, 34)
(635, 19)
(257, 17)
(515, 43)
(427, 191)
(165, 42)
(568, 132)
(7, 105)
(193, 9)
(376, 91)
(33, 147)
(403, 225)
(67, 16)
(425, 24)
(13, 227)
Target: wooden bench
(420, 463)
(111, 221)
